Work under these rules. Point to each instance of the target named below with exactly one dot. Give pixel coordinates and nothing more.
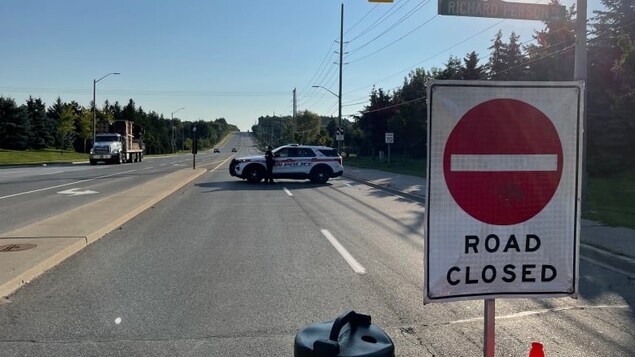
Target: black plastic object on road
(350, 335)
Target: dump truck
(117, 142)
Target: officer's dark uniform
(270, 161)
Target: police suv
(316, 163)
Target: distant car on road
(316, 163)
(216, 150)
(234, 150)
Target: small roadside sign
(339, 134)
(390, 138)
(502, 214)
(502, 10)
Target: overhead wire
(361, 19)
(397, 40)
(391, 11)
(435, 55)
(393, 26)
(554, 53)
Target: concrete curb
(80, 242)
(605, 258)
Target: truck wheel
(254, 174)
(140, 157)
(92, 162)
(119, 159)
(320, 174)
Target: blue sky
(237, 59)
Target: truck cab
(108, 147)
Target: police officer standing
(269, 159)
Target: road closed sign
(502, 214)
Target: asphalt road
(227, 268)
(29, 194)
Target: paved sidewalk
(612, 246)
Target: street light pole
(339, 97)
(95, 102)
(341, 53)
(172, 123)
(339, 101)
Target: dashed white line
(358, 268)
(287, 191)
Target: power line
(320, 68)
(435, 55)
(397, 40)
(391, 11)
(361, 19)
(393, 26)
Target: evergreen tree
(54, 113)
(611, 88)
(553, 55)
(42, 133)
(496, 65)
(14, 125)
(471, 69)
(513, 60)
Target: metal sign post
(489, 324)
(390, 138)
(194, 148)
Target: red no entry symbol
(503, 161)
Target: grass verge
(611, 200)
(397, 165)
(16, 157)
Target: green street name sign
(501, 9)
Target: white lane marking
(49, 173)
(358, 268)
(499, 163)
(287, 191)
(64, 185)
(77, 192)
(542, 311)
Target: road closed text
(508, 273)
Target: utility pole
(295, 112)
(339, 97)
(580, 74)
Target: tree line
(68, 126)
(548, 56)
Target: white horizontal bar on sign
(499, 163)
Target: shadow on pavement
(243, 185)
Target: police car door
(284, 161)
(305, 160)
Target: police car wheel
(320, 175)
(254, 174)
